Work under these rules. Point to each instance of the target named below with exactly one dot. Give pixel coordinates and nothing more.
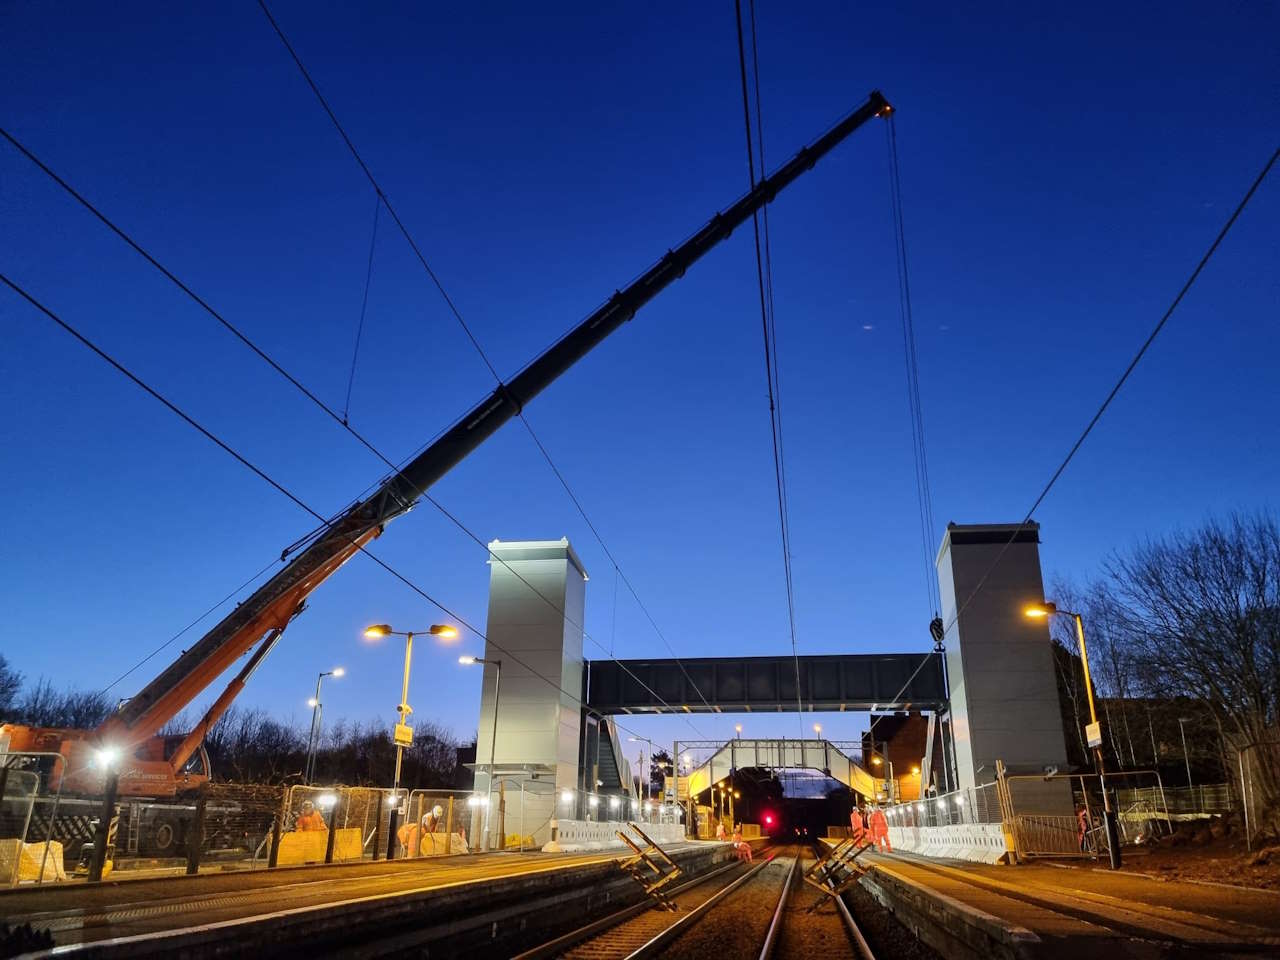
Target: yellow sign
(403, 735)
(1093, 734)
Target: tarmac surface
(119, 908)
(1079, 906)
(1056, 909)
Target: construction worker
(879, 830)
(857, 825)
(720, 831)
(431, 820)
(310, 818)
(740, 846)
(1084, 826)
(410, 835)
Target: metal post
(1244, 803)
(311, 740)
(403, 710)
(328, 844)
(195, 836)
(448, 829)
(102, 834)
(1108, 815)
(502, 815)
(493, 749)
(377, 827)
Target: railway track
(757, 910)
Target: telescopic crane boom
(132, 729)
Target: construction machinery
(126, 750)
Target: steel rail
(553, 948)
(681, 926)
(775, 926)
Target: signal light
(768, 819)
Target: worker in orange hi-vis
(740, 846)
(857, 826)
(410, 837)
(880, 830)
(310, 818)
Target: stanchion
(377, 828)
(105, 834)
(273, 858)
(195, 836)
(329, 821)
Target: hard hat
(437, 811)
(308, 805)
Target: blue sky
(1062, 172)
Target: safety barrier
(980, 842)
(572, 836)
(308, 846)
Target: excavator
(126, 755)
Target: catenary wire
(277, 485)
(774, 425)
(364, 306)
(1111, 395)
(333, 414)
(457, 314)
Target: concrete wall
(1004, 696)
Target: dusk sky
(1062, 172)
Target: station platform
(272, 911)
(1050, 910)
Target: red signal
(768, 819)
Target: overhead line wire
(457, 314)
(311, 396)
(267, 478)
(364, 305)
(769, 363)
(333, 415)
(1111, 395)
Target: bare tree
(1202, 610)
(10, 684)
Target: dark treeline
(251, 746)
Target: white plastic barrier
(981, 842)
(571, 836)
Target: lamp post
(1043, 611)
(317, 712)
(403, 732)
(644, 769)
(881, 759)
(493, 739)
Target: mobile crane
(127, 746)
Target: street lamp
(1042, 611)
(317, 711)
(467, 661)
(817, 728)
(737, 728)
(403, 732)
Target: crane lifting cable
(764, 281)
(924, 498)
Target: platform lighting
(920, 807)
(378, 631)
(915, 771)
(877, 761)
(326, 801)
(959, 801)
(106, 757)
(941, 805)
(1044, 610)
(817, 728)
(339, 671)
(566, 796)
(593, 800)
(312, 702)
(613, 803)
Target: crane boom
(277, 601)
